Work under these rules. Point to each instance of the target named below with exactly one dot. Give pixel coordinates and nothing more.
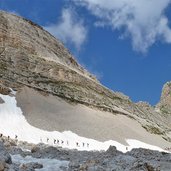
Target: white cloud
(70, 29)
(144, 21)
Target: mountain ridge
(39, 68)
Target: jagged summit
(44, 89)
(165, 100)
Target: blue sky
(125, 43)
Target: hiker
(83, 144)
(54, 141)
(77, 144)
(47, 140)
(57, 141)
(67, 142)
(126, 148)
(8, 137)
(1, 135)
(16, 138)
(88, 145)
(62, 142)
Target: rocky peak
(166, 93)
(165, 100)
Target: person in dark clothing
(47, 140)
(54, 141)
(77, 144)
(1, 135)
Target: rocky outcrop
(4, 90)
(165, 101)
(136, 159)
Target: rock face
(165, 101)
(42, 70)
(30, 56)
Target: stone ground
(110, 160)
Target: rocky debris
(131, 161)
(112, 159)
(4, 90)
(30, 166)
(5, 158)
(113, 151)
(6, 163)
(4, 155)
(2, 165)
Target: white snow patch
(14, 123)
(48, 164)
(139, 144)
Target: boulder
(4, 155)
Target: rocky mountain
(45, 96)
(165, 101)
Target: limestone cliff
(165, 101)
(30, 56)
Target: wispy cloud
(70, 29)
(144, 21)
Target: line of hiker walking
(61, 142)
(8, 137)
(56, 142)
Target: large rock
(4, 155)
(2, 165)
(30, 166)
(112, 151)
(165, 101)
(4, 90)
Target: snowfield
(13, 123)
